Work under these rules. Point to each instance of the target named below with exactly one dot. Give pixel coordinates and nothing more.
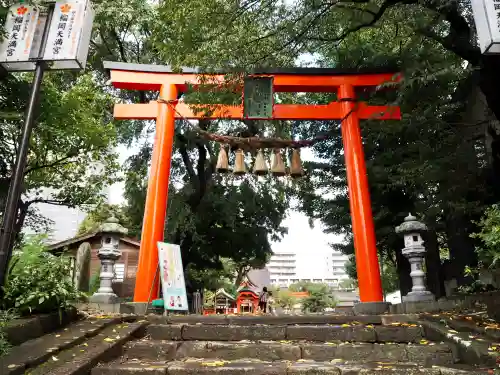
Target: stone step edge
(470, 351)
(14, 368)
(275, 368)
(355, 333)
(462, 325)
(438, 354)
(283, 320)
(104, 347)
(7, 368)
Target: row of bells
(260, 168)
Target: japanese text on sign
(65, 30)
(20, 26)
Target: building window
(119, 273)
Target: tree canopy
(441, 161)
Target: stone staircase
(290, 345)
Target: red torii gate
(167, 109)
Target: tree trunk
(434, 272)
(462, 252)
(489, 82)
(403, 267)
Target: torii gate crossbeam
(167, 109)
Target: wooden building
(125, 267)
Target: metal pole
(10, 214)
(15, 191)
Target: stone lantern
(414, 250)
(110, 231)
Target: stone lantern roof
(112, 225)
(411, 225)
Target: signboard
(20, 28)
(258, 98)
(172, 277)
(65, 30)
(487, 20)
(67, 37)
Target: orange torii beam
(168, 108)
(149, 111)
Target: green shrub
(320, 298)
(37, 281)
(488, 252)
(285, 299)
(5, 318)
(95, 282)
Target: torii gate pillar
(166, 110)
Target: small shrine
(225, 303)
(247, 301)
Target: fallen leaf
(108, 339)
(11, 366)
(424, 342)
(452, 331)
(215, 363)
(85, 344)
(345, 325)
(336, 360)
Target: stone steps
(73, 350)
(405, 333)
(254, 367)
(427, 354)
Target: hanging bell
(296, 169)
(239, 163)
(222, 161)
(278, 166)
(260, 166)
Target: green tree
(348, 284)
(285, 299)
(432, 162)
(320, 298)
(489, 234)
(71, 157)
(98, 215)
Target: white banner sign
(172, 277)
(487, 20)
(20, 29)
(65, 30)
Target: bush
(285, 299)
(318, 302)
(488, 252)
(37, 281)
(320, 298)
(95, 282)
(5, 318)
